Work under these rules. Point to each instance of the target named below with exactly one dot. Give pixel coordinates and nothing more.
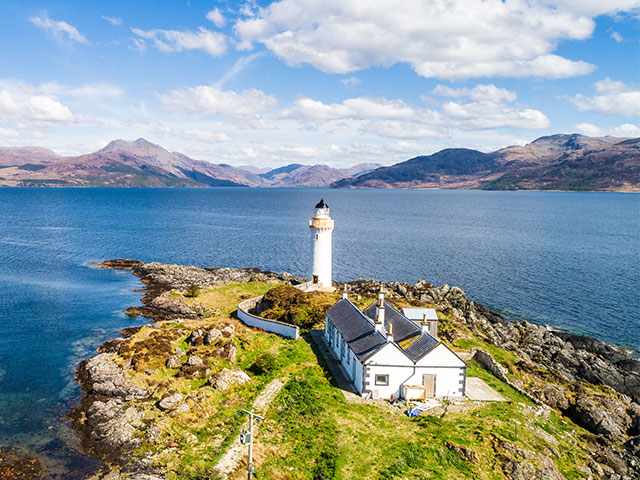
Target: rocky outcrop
(226, 378)
(102, 376)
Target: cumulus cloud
(40, 109)
(206, 136)
(307, 109)
(247, 106)
(215, 16)
(479, 108)
(624, 130)
(452, 39)
(612, 97)
(214, 43)
(59, 29)
(115, 21)
(9, 133)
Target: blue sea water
(571, 260)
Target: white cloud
(479, 108)
(624, 130)
(59, 29)
(617, 37)
(9, 133)
(138, 44)
(451, 39)
(216, 17)
(351, 81)
(206, 136)
(38, 109)
(611, 98)
(214, 43)
(307, 109)
(249, 106)
(115, 21)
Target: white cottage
(387, 355)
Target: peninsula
(162, 399)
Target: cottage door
(429, 382)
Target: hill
(141, 163)
(557, 162)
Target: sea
(567, 260)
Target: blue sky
(316, 81)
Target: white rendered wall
(273, 326)
(322, 238)
(448, 369)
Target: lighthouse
(321, 226)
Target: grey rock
(195, 337)
(179, 352)
(113, 425)
(183, 407)
(170, 402)
(102, 375)
(173, 362)
(228, 331)
(212, 335)
(226, 378)
(194, 361)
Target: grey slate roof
(406, 334)
(357, 331)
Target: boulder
(230, 352)
(194, 361)
(212, 335)
(226, 378)
(170, 402)
(228, 331)
(196, 337)
(173, 362)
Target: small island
(163, 400)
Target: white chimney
(380, 313)
(390, 332)
(429, 326)
(345, 295)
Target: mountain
(557, 162)
(144, 164)
(119, 164)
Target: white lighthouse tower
(321, 226)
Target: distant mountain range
(144, 164)
(557, 162)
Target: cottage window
(382, 379)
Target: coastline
(574, 360)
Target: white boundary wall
(273, 326)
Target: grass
(312, 432)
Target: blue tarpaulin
(412, 412)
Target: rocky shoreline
(556, 369)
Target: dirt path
(230, 460)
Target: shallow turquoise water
(567, 259)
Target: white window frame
(385, 382)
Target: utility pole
(246, 438)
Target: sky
(337, 82)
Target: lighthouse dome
(321, 204)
